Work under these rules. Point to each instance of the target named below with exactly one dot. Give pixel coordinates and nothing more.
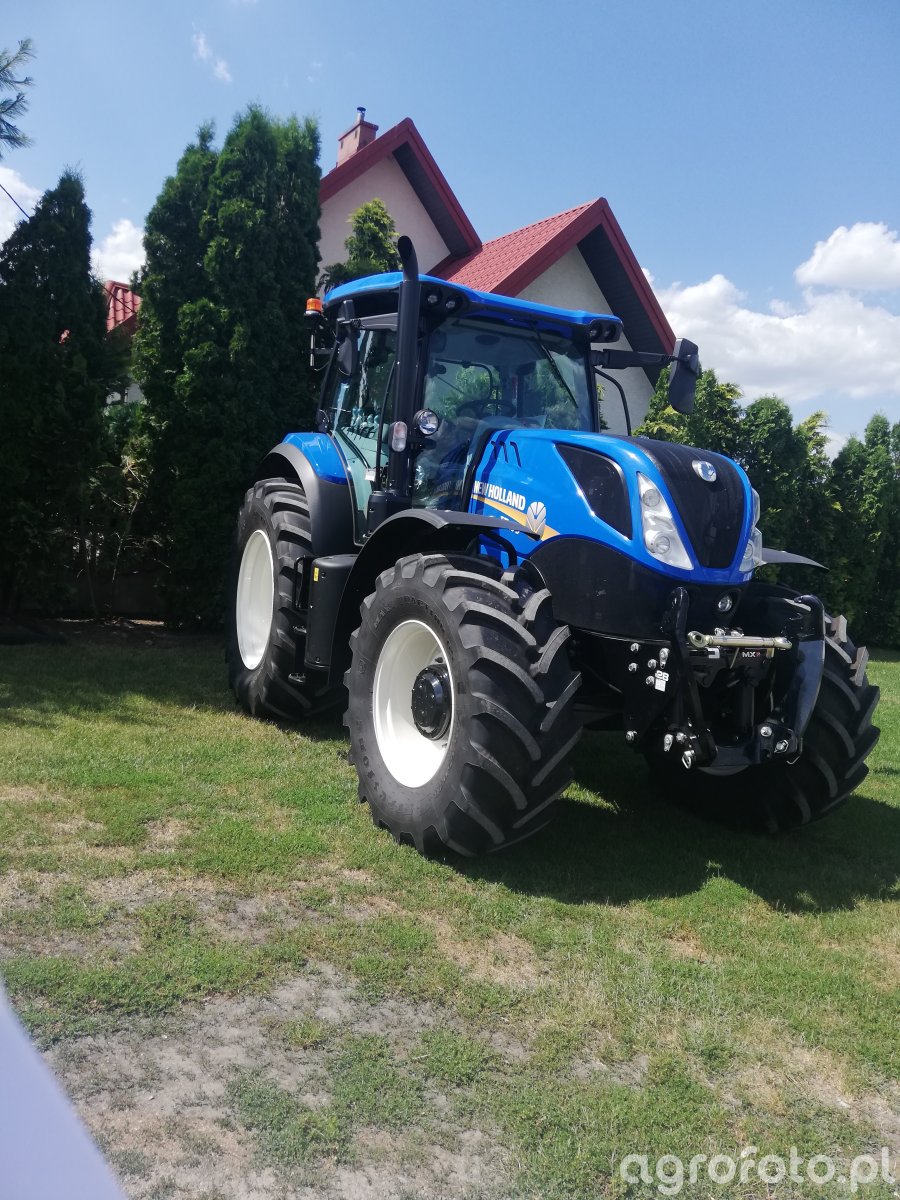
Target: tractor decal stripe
(515, 515)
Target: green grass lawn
(631, 981)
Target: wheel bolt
(650, 681)
(632, 667)
(651, 663)
(765, 731)
(630, 735)
(635, 647)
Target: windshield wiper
(555, 369)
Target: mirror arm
(616, 360)
(612, 379)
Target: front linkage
(723, 699)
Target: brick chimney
(357, 136)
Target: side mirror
(683, 375)
(348, 351)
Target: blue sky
(748, 151)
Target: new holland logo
(536, 516)
(705, 470)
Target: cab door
(359, 409)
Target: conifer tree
(231, 258)
(371, 247)
(55, 372)
(13, 106)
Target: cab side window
(359, 408)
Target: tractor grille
(601, 480)
(713, 513)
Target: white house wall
(384, 181)
(570, 284)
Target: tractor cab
(483, 365)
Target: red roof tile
(508, 265)
(122, 306)
(490, 267)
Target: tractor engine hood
(686, 513)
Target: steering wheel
(487, 407)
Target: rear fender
(312, 459)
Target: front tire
(461, 711)
(778, 797)
(271, 542)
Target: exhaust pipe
(405, 372)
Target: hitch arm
(737, 641)
(674, 623)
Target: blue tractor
(462, 555)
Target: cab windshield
(482, 375)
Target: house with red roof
(122, 306)
(574, 259)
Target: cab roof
(486, 303)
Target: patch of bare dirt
(156, 1096)
(884, 965)
(686, 945)
(24, 795)
(253, 919)
(630, 1072)
(501, 958)
(816, 1075)
(374, 906)
(22, 888)
(162, 837)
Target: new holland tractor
(464, 558)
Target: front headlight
(753, 550)
(661, 537)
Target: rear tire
(775, 798)
(498, 706)
(272, 535)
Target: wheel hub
(432, 701)
(412, 703)
(254, 599)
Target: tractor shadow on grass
(635, 846)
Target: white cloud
(26, 195)
(201, 46)
(865, 257)
(203, 52)
(120, 252)
(832, 350)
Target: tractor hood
(640, 497)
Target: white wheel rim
(412, 758)
(255, 593)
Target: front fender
(412, 531)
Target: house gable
(386, 180)
(401, 165)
